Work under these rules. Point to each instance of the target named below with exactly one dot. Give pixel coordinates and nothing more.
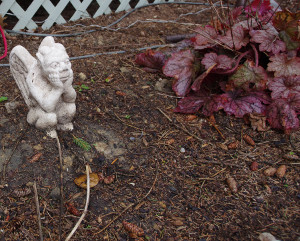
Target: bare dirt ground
(170, 170)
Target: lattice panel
(56, 11)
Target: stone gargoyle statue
(46, 85)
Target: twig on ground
(5, 164)
(36, 198)
(61, 187)
(132, 204)
(218, 130)
(86, 203)
(179, 127)
(218, 163)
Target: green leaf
(3, 98)
(81, 143)
(127, 116)
(248, 75)
(84, 87)
(290, 44)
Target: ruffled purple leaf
(268, 40)
(239, 103)
(205, 37)
(283, 87)
(212, 104)
(283, 65)
(235, 38)
(221, 62)
(153, 61)
(191, 103)
(180, 66)
(281, 115)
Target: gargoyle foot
(65, 127)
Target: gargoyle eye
(54, 65)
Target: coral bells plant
(246, 64)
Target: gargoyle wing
(21, 61)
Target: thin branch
(86, 203)
(36, 198)
(61, 187)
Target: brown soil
(171, 171)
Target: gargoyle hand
(55, 80)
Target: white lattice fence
(49, 12)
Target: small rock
(270, 171)
(89, 156)
(68, 162)
(102, 147)
(3, 121)
(156, 227)
(29, 184)
(100, 40)
(267, 237)
(38, 147)
(55, 193)
(82, 76)
(162, 204)
(259, 199)
(177, 222)
(182, 150)
(160, 85)
(11, 106)
(100, 220)
(124, 70)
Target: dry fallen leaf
(232, 184)
(190, 117)
(2, 21)
(81, 180)
(254, 166)
(35, 158)
(21, 192)
(233, 145)
(71, 208)
(133, 230)
(281, 171)
(269, 190)
(109, 179)
(212, 119)
(120, 93)
(270, 171)
(222, 146)
(258, 122)
(170, 142)
(100, 176)
(248, 140)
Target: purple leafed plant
(251, 59)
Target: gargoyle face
(57, 64)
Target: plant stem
(255, 54)
(236, 65)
